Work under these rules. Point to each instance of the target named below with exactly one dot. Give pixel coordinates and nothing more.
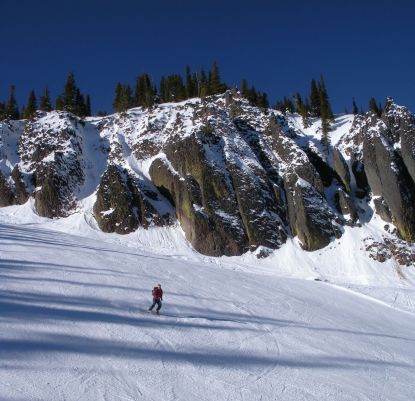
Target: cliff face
(234, 176)
(382, 148)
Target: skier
(157, 298)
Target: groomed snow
(326, 325)
(73, 324)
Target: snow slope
(332, 324)
(73, 324)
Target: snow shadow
(30, 298)
(31, 307)
(17, 349)
(36, 236)
(13, 265)
(14, 270)
(25, 306)
(48, 280)
(364, 210)
(13, 399)
(213, 315)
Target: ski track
(73, 326)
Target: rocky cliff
(235, 177)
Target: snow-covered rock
(236, 177)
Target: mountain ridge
(236, 177)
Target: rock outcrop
(51, 149)
(21, 194)
(401, 126)
(381, 157)
(388, 177)
(345, 205)
(342, 169)
(352, 145)
(6, 193)
(211, 231)
(121, 207)
(310, 216)
(235, 177)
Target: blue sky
(363, 48)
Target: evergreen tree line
(71, 100)
(175, 88)
(374, 107)
(256, 98)
(317, 104)
(313, 108)
(172, 88)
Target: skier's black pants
(156, 301)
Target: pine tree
(59, 103)
(279, 106)
(72, 99)
(203, 84)
(88, 106)
(149, 92)
(326, 113)
(355, 110)
(2, 111)
(162, 90)
(31, 107)
(126, 99)
(209, 84)
(263, 101)
(285, 105)
(123, 98)
(190, 91)
(325, 107)
(116, 104)
(289, 105)
(45, 102)
(180, 88)
(174, 88)
(195, 85)
(244, 88)
(302, 109)
(144, 92)
(11, 109)
(252, 95)
(306, 113)
(314, 100)
(70, 96)
(373, 107)
(325, 128)
(215, 85)
(299, 105)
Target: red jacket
(157, 293)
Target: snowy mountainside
(288, 270)
(235, 177)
